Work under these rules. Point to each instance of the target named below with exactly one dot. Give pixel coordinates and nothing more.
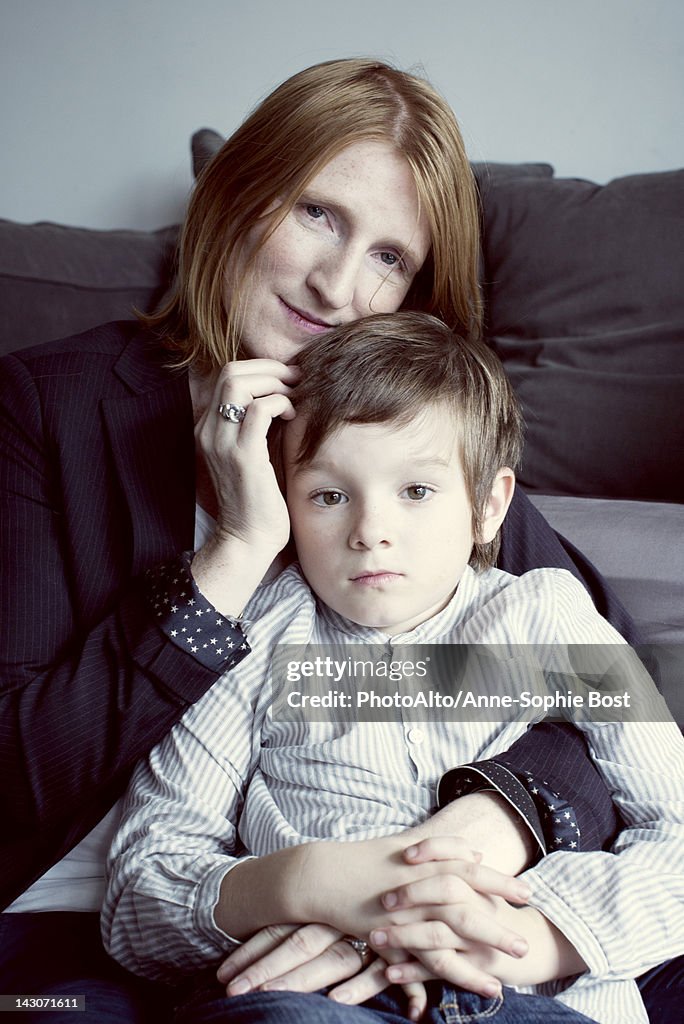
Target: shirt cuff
(189, 621)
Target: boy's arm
(178, 835)
(622, 910)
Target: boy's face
(381, 518)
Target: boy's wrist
(260, 891)
(550, 954)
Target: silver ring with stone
(231, 412)
(361, 947)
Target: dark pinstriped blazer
(96, 485)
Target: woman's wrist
(487, 822)
(227, 570)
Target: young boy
(398, 470)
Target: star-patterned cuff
(557, 815)
(550, 818)
(189, 620)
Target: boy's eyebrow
(422, 462)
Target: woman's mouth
(305, 321)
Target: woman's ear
(497, 504)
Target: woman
(346, 192)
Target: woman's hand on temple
(235, 471)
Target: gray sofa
(584, 286)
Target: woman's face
(350, 246)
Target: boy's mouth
(376, 578)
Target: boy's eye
(417, 492)
(329, 498)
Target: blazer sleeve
(83, 694)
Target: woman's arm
(88, 679)
(97, 474)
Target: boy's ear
(497, 504)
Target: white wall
(99, 97)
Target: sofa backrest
(57, 280)
(584, 298)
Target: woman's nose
(335, 278)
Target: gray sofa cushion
(56, 281)
(586, 309)
(637, 546)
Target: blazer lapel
(151, 436)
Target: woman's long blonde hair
(269, 161)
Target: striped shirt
(233, 779)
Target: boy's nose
(369, 530)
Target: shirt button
(416, 736)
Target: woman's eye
(418, 492)
(315, 212)
(393, 261)
(329, 498)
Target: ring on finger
(361, 947)
(231, 412)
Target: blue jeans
(61, 954)
(446, 1005)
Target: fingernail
(519, 947)
(340, 996)
(239, 987)
(390, 899)
(492, 990)
(523, 891)
(414, 1013)
(274, 986)
(411, 852)
(477, 854)
(393, 973)
(378, 938)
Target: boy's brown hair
(387, 368)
